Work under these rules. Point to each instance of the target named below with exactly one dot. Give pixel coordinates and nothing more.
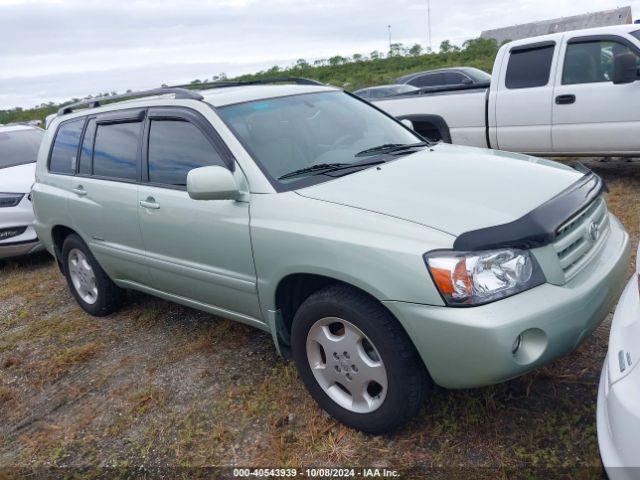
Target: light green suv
(379, 261)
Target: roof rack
(186, 91)
(180, 93)
(242, 83)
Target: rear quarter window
(65, 147)
(529, 67)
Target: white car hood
(452, 188)
(17, 179)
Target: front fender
(379, 254)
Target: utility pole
(429, 23)
(389, 27)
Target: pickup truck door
(524, 98)
(590, 113)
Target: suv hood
(451, 188)
(17, 179)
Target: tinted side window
(175, 148)
(65, 147)
(453, 78)
(116, 150)
(431, 80)
(529, 68)
(86, 152)
(380, 93)
(590, 62)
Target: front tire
(94, 291)
(357, 361)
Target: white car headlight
(475, 278)
(10, 199)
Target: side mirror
(467, 81)
(625, 69)
(407, 123)
(212, 183)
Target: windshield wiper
(391, 148)
(320, 167)
(323, 168)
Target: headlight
(10, 199)
(476, 278)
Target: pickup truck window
(636, 34)
(591, 62)
(529, 67)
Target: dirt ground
(161, 385)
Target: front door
(197, 250)
(523, 102)
(590, 113)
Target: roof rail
(180, 93)
(242, 83)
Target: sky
(54, 50)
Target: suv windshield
(305, 133)
(18, 147)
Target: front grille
(6, 233)
(578, 239)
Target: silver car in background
(19, 145)
(384, 91)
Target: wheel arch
(424, 124)
(58, 235)
(293, 289)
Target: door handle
(565, 99)
(80, 191)
(150, 203)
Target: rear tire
(92, 288)
(357, 361)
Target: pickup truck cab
(571, 93)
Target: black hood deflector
(538, 227)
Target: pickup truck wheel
(94, 291)
(356, 360)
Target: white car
(19, 145)
(618, 414)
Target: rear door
(104, 192)
(524, 98)
(198, 250)
(590, 113)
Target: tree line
(349, 72)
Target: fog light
(516, 344)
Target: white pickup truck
(572, 93)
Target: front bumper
(8, 250)
(618, 413)
(472, 347)
(19, 216)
